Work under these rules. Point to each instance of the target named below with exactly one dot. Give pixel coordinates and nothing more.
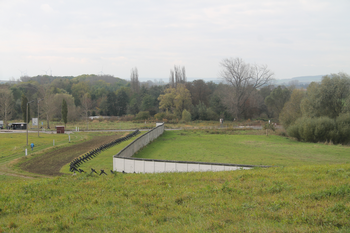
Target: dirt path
(51, 163)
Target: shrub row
(322, 129)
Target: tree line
(245, 92)
(240, 95)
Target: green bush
(343, 126)
(323, 128)
(143, 115)
(160, 116)
(307, 129)
(186, 116)
(293, 131)
(165, 115)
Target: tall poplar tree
(24, 109)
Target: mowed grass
(104, 160)
(279, 199)
(241, 147)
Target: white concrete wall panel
(122, 163)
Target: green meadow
(290, 199)
(242, 147)
(307, 190)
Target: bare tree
(244, 80)
(134, 77)
(86, 105)
(6, 104)
(47, 106)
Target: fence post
(54, 142)
(26, 152)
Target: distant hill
(107, 78)
(92, 78)
(300, 80)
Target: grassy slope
(290, 199)
(281, 199)
(242, 149)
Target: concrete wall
(123, 161)
(137, 165)
(140, 142)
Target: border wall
(140, 142)
(138, 165)
(123, 161)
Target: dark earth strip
(51, 163)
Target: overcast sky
(292, 37)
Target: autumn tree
(182, 99)
(175, 99)
(291, 110)
(6, 104)
(166, 100)
(244, 80)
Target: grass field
(307, 191)
(290, 199)
(238, 147)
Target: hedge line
(322, 129)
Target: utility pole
(27, 119)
